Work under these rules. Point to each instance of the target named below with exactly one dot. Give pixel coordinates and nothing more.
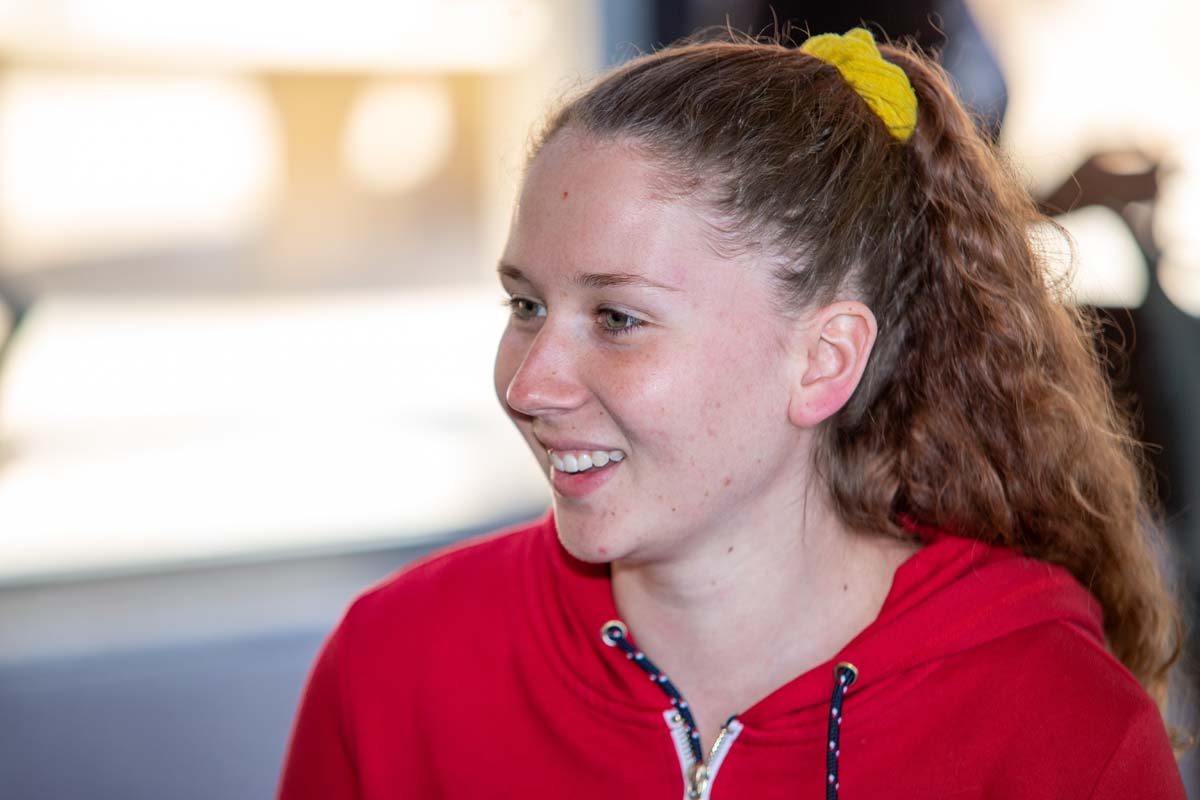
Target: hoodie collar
(952, 595)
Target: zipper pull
(697, 780)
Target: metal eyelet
(848, 666)
(613, 623)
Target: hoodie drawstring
(845, 674)
(615, 634)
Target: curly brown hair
(984, 408)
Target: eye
(523, 308)
(615, 322)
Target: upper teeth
(578, 461)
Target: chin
(588, 541)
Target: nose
(546, 381)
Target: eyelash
(513, 303)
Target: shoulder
(436, 620)
(402, 651)
(455, 579)
(1072, 715)
(1057, 671)
(1060, 654)
(1105, 711)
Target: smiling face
(630, 337)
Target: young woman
(842, 505)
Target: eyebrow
(593, 280)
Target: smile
(582, 460)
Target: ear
(831, 349)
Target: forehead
(589, 204)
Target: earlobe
(834, 346)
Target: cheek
(741, 391)
(638, 384)
(659, 398)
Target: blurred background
(248, 310)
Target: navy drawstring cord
(845, 674)
(615, 634)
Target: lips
(581, 483)
(579, 466)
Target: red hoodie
(480, 672)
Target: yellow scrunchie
(882, 84)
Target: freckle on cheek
(729, 480)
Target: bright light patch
(1108, 268)
(1070, 99)
(1177, 231)
(1180, 282)
(359, 35)
(144, 431)
(399, 135)
(91, 165)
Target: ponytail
(991, 413)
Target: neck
(783, 599)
